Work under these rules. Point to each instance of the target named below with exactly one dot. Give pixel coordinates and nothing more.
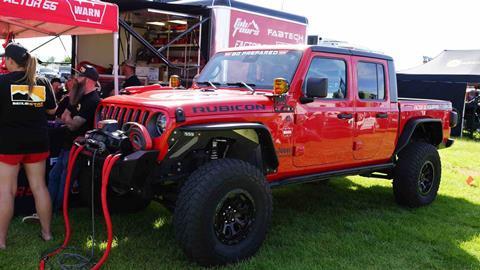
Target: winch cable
(74, 152)
(84, 261)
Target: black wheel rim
(426, 178)
(234, 217)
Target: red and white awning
(36, 18)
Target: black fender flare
(412, 125)
(269, 155)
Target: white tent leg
(115, 62)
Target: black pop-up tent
(445, 77)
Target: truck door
(372, 107)
(324, 128)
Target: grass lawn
(351, 223)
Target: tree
(50, 59)
(67, 59)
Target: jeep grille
(123, 114)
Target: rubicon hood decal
(196, 102)
(229, 108)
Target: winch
(112, 144)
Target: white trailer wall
(97, 49)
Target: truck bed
(411, 108)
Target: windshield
(255, 68)
(46, 70)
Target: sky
(407, 30)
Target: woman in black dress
(25, 101)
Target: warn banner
(248, 29)
(86, 11)
(80, 13)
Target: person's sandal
(31, 219)
(45, 239)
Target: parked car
(261, 118)
(48, 73)
(64, 72)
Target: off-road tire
(197, 207)
(128, 202)
(412, 162)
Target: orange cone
(470, 181)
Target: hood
(197, 102)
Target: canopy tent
(37, 18)
(445, 77)
(34, 18)
(460, 66)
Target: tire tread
(192, 198)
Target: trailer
(178, 38)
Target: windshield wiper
(212, 84)
(244, 84)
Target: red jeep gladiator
(259, 118)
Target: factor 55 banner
(80, 13)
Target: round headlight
(161, 123)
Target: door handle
(345, 116)
(382, 115)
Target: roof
(448, 66)
(267, 47)
(354, 52)
(246, 7)
(202, 7)
(130, 5)
(315, 48)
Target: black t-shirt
(61, 94)
(86, 109)
(23, 117)
(107, 90)
(132, 81)
(62, 106)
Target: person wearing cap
(127, 69)
(58, 89)
(78, 117)
(25, 101)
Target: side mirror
(317, 88)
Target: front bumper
(130, 172)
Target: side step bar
(365, 170)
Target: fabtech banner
(79, 13)
(249, 29)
